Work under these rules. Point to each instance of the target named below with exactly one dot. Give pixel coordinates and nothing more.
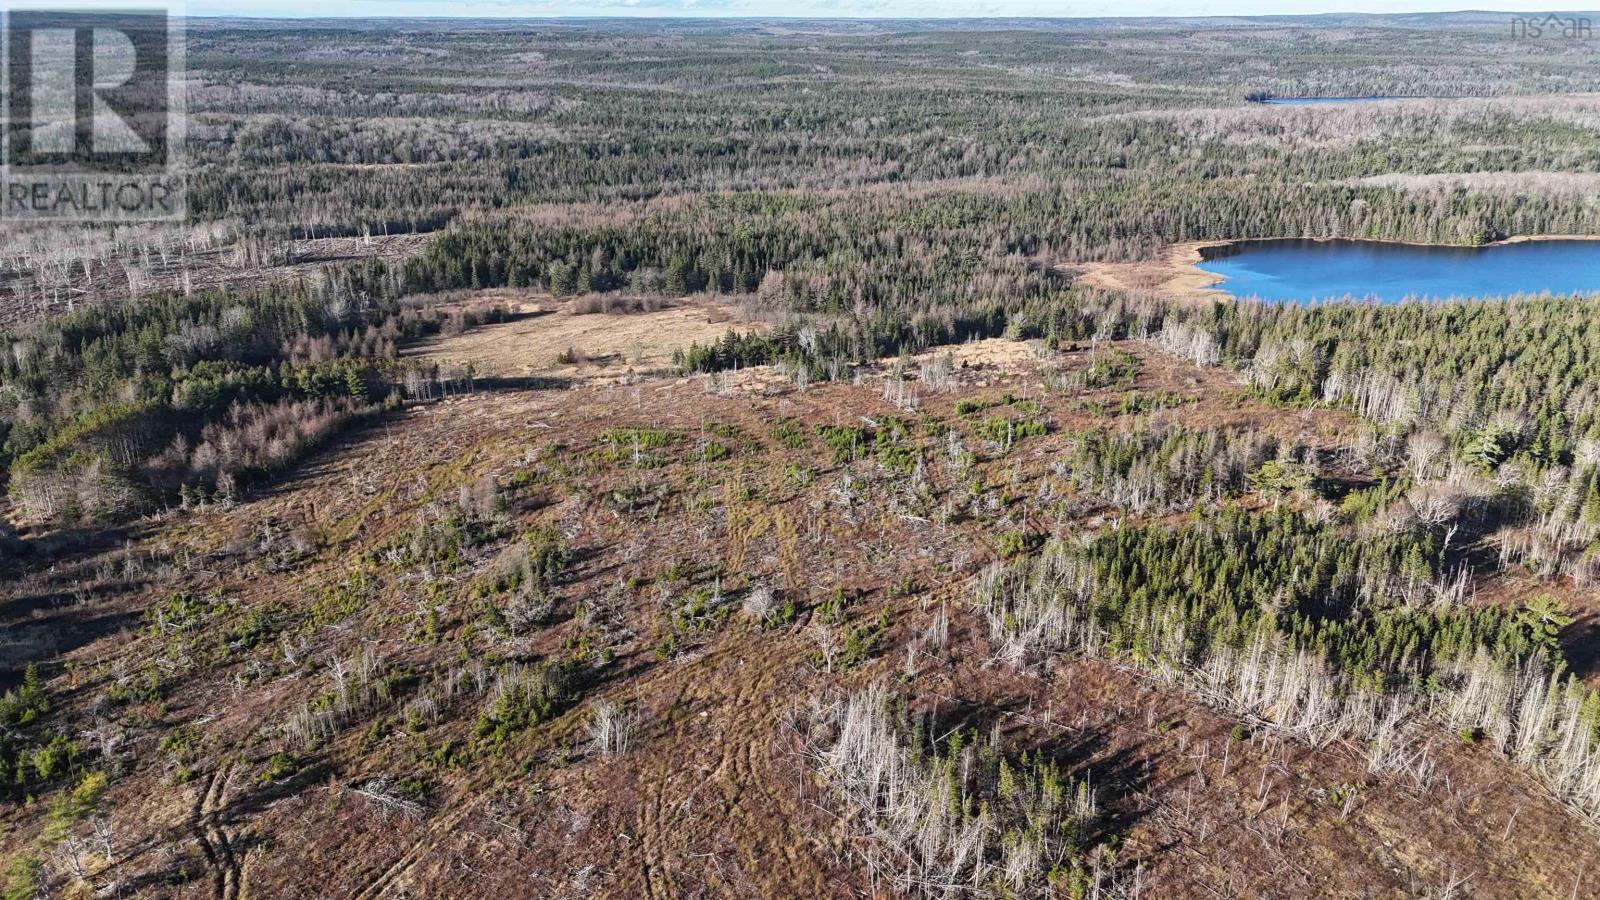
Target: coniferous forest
(730, 458)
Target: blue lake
(1303, 271)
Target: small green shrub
(23, 878)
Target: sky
(842, 8)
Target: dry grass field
(559, 338)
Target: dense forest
(1060, 143)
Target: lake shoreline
(1200, 247)
(1176, 275)
(1192, 257)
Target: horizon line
(867, 17)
